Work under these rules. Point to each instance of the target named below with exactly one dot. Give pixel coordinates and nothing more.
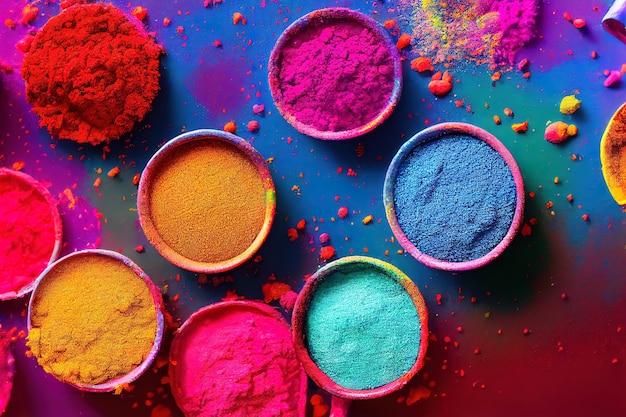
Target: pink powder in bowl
(236, 359)
(335, 74)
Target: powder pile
(613, 155)
(483, 31)
(362, 328)
(27, 232)
(455, 197)
(7, 368)
(335, 75)
(93, 319)
(91, 74)
(208, 201)
(236, 360)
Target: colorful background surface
(564, 282)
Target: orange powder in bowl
(206, 201)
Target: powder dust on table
(93, 319)
(27, 233)
(362, 328)
(91, 74)
(455, 198)
(480, 31)
(208, 202)
(335, 75)
(236, 361)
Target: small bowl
(428, 136)
(226, 318)
(197, 230)
(115, 383)
(362, 265)
(388, 99)
(28, 182)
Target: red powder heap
(335, 75)
(27, 233)
(236, 359)
(91, 74)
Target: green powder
(362, 327)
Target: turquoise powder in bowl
(360, 328)
(454, 197)
(335, 74)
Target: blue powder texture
(454, 197)
(362, 328)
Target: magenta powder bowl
(335, 74)
(454, 197)
(236, 358)
(30, 190)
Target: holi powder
(206, 200)
(613, 155)
(30, 232)
(236, 359)
(91, 74)
(95, 320)
(334, 74)
(454, 194)
(481, 31)
(360, 327)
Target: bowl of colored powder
(454, 197)
(91, 73)
(335, 74)
(95, 320)
(206, 201)
(360, 328)
(236, 359)
(31, 232)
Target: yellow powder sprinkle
(569, 104)
(93, 320)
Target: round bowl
(30, 188)
(206, 201)
(448, 251)
(91, 316)
(309, 27)
(373, 283)
(220, 346)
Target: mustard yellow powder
(208, 201)
(93, 319)
(569, 104)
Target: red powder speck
(404, 41)
(140, 12)
(230, 127)
(327, 252)
(292, 234)
(29, 13)
(526, 331)
(301, 224)
(253, 126)
(342, 212)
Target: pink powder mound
(6, 369)
(517, 25)
(236, 359)
(335, 76)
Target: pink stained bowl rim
(299, 318)
(336, 13)
(432, 133)
(223, 307)
(159, 307)
(144, 210)
(56, 223)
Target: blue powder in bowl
(454, 197)
(362, 328)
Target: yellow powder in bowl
(207, 200)
(92, 319)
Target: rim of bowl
(114, 383)
(432, 133)
(144, 210)
(205, 313)
(337, 13)
(298, 321)
(56, 220)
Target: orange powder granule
(208, 202)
